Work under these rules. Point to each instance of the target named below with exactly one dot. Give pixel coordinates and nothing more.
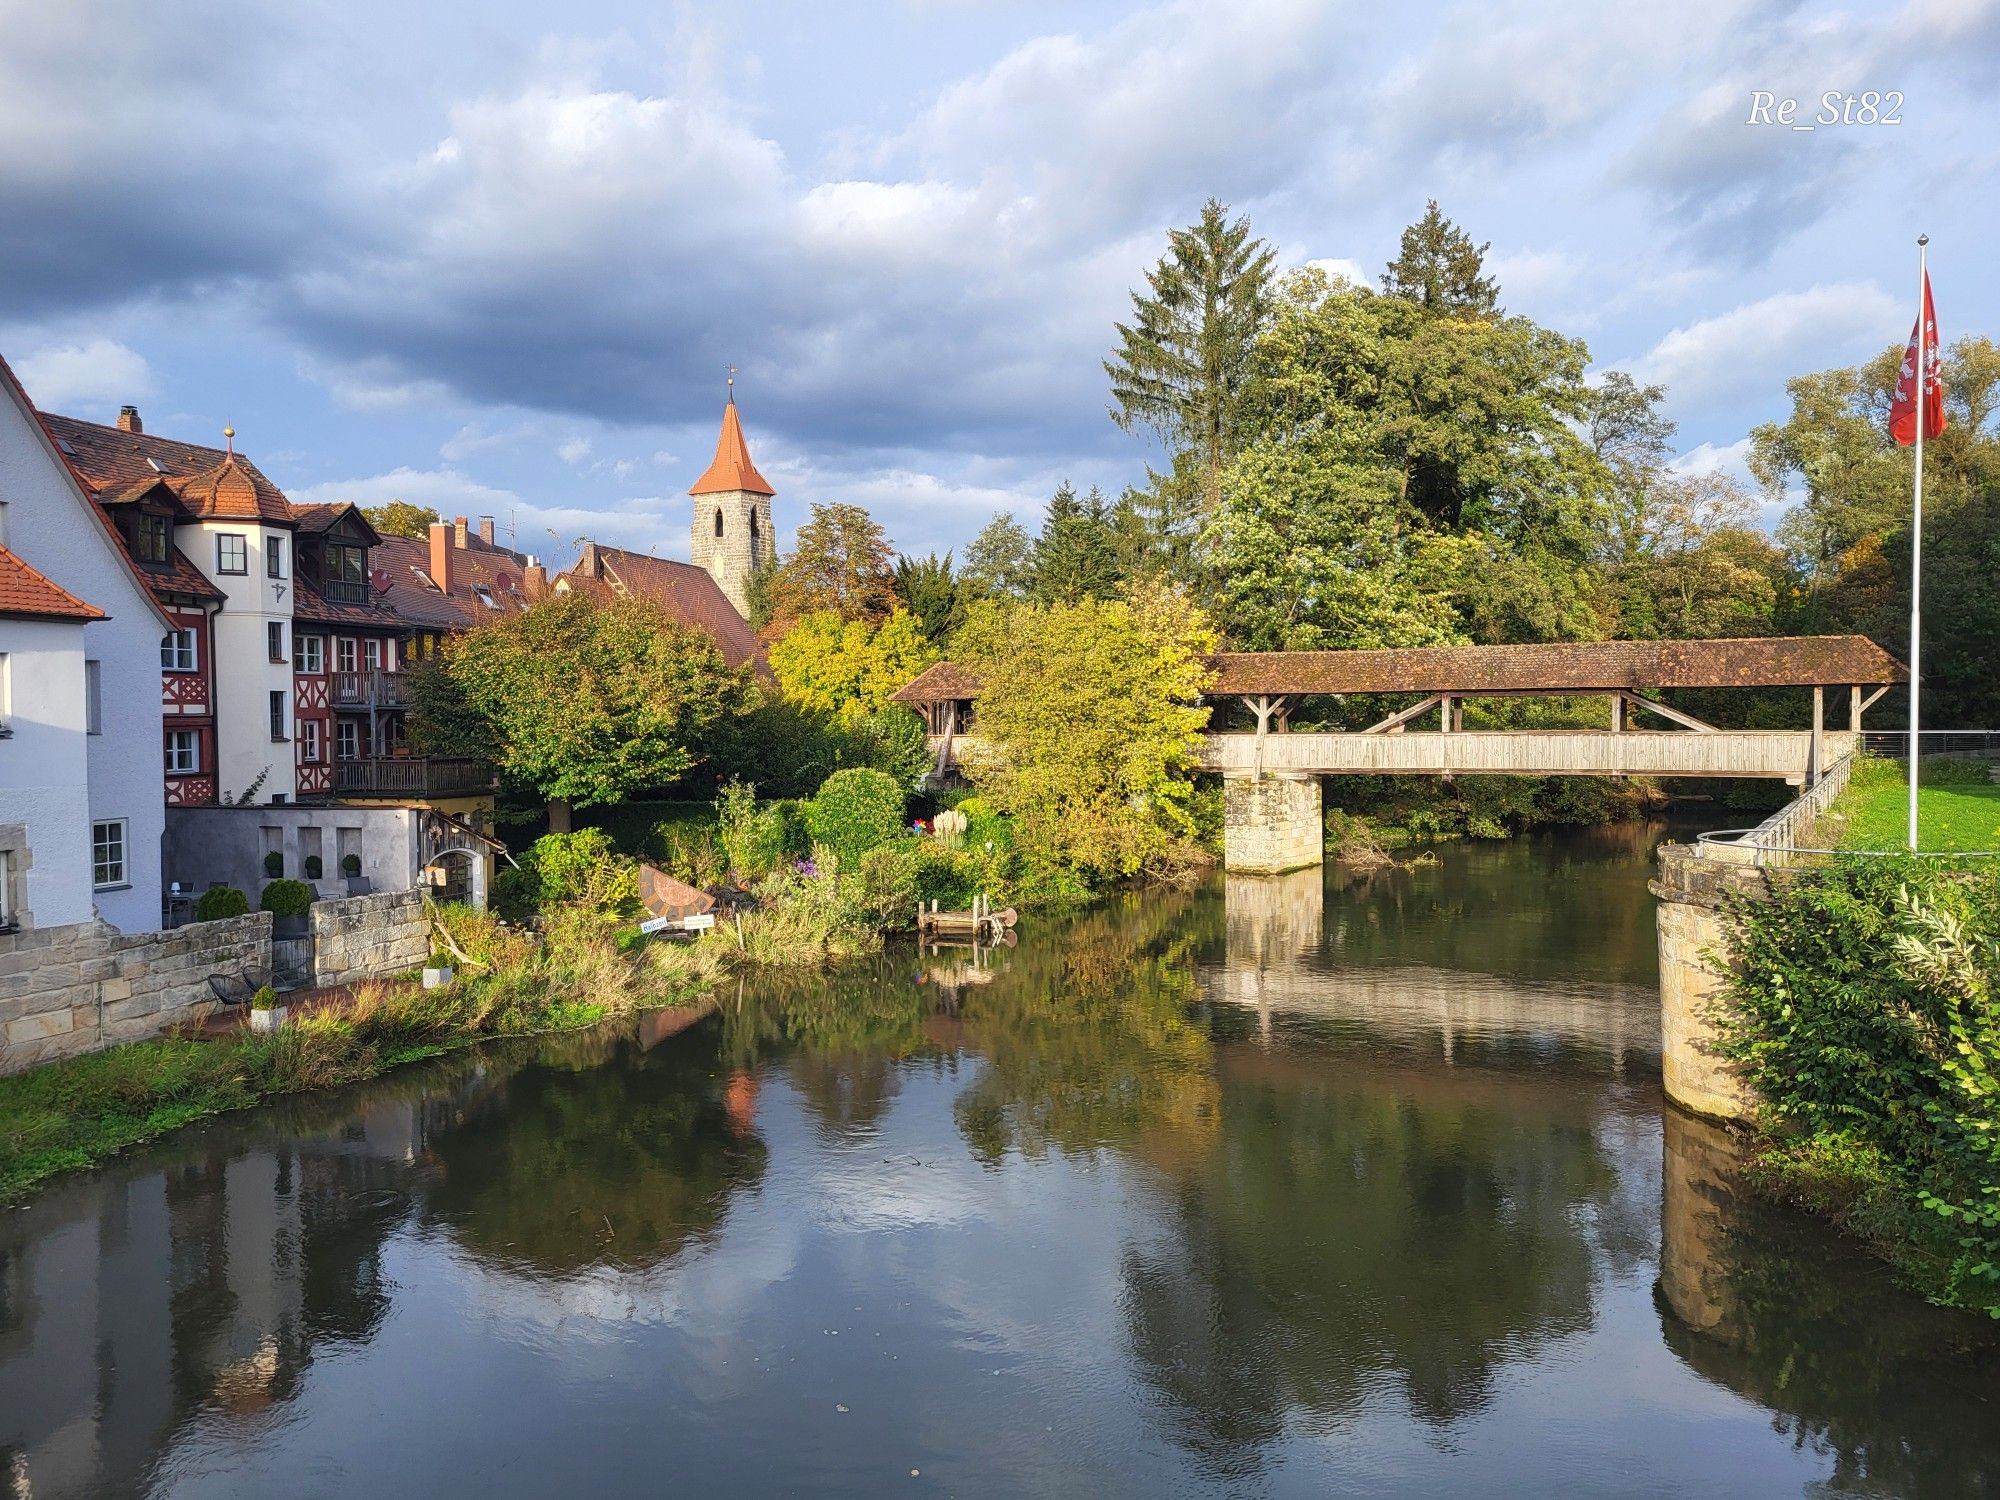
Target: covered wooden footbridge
(1271, 773)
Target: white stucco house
(80, 789)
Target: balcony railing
(345, 592)
(412, 776)
(372, 689)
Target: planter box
(437, 978)
(268, 1020)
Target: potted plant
(357, 883)
(288, 902)
(438, 970)
(274, 864)
(313, 866)
(266, 1014)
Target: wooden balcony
(376, 689)
(411, 776)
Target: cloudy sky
(497, 258)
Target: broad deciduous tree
(593, 701)
(839, 563)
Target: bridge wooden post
(1618, 707)
(1816, 767)
(1854, 710)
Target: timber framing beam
(1397, 720)
(1672, 715)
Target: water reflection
(1273, 1184)
(1848, 1365)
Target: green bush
(561, 869)
(313, 867)
(350, 865)
(1861, 1006)
(219, 902)
(693, 852)
(266, 998)
(855, 810)
(287, 898)
(274, 864)
(753, 838)
(900, 876)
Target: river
(1279, 1187)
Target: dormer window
(346, 573)
(153, 539)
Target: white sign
(700, 922)
(656, 924)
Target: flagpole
(1917, 524)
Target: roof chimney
(128, 419)
(588, 564)
(458, 529)
(486, 530)
(534, 582)
(441, 550)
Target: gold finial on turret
(229, 437)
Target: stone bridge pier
(1271, 823)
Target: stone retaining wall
(1695, 889)
(76, 988)
(365, 937)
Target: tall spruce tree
(1076, 556)
(930, 592)
(1442, 271)
(1182, 363)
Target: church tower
(732, 515)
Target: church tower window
(718, 523)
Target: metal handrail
(1734, 838)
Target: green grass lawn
(1958, 807)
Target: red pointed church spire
(732, 469)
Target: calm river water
(1287, 1187)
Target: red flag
(1903, 410)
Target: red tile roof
(182, 581)
(413, 593)
(213, 482)
(685, 591)
(27, 593)
(1561, 667)
(732, 469)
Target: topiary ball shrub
(855, 811)
(274, 864)
(350, 865)
(219, 902)
(313, 867)
(287, 898)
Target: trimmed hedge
(221, 901)
(287, 898)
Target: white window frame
(346, 730)
(173, 658)
(93, 696)
(308, 653)
(309, 740)
(111, 869)
(347, 655)
(241, 549)
(177, 764)
(274, 557)
(371, 652)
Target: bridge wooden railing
(1783, 755)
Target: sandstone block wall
(1271, 824)
(76, 988)
(1694, 890)
(364, 937)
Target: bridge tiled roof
(1561, 667)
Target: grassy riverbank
(1958, 807)
(82, 1111)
